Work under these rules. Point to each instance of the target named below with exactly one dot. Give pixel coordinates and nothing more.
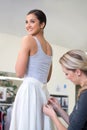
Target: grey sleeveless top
(39, 64)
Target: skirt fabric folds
(27, 109)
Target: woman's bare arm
(49, 111)
(58, 109)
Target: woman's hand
(58, 109)
(55, 104)
(49, 111)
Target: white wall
(9, 46)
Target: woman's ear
(42, 25)
(78, 72)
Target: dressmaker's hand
(58, 109)
(49, 111)
(55, 104)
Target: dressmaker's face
(33, 25)
(71, 75)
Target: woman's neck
(83, 81)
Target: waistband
(34, 80)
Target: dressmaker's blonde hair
(75, 59)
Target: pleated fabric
(27, 111)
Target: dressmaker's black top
(78, 117)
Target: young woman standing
(34, 64)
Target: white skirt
(27, 111)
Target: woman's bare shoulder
(27, 40)
(49, 47)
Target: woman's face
(71, 75)
(33, 25)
